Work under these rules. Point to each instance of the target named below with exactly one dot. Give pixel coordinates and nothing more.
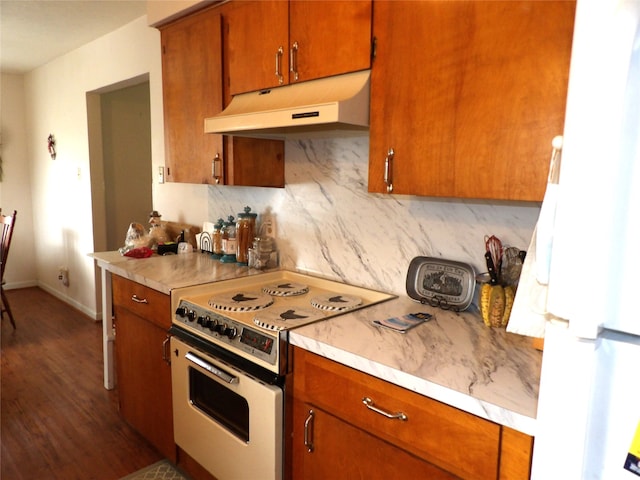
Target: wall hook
(51, 145)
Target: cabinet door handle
(166, 355)
(388, 180)
(216, 165)
(138, 300)
(293, 60)
(308, 426)
(279, 54)
(371, 406)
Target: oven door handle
(221, 374)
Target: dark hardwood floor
(57, 420)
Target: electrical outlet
(63, 276)
(160, 174)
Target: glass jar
(245, 233)
(262, 254)
(216, 239)
(229, 241)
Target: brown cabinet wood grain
(192, 91)
(469, 96)
(516, 452)
(435, 440)
(142, 318)
(192, 77)
(341, 450)
(275, 42)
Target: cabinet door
(340, 450)
(254, 162)
(144, 379)
(192, 91)
(255, 32)
(332, 37)
(471, 99)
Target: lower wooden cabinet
(143, 377)
(399, 434)
(337, 449)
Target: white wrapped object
(547, 219)
(528, 313)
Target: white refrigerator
(589, 403)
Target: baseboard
(16, 285)
(67, 299)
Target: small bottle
(216, 239)
(229, 241)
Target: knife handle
(493, 274)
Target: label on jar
(229, 245)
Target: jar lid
(230, 221)
(247, 213)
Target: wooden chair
(7, 222)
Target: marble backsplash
(328, 224)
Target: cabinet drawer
(456, 441)
(143, 301)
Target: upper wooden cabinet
(275, 42)
(192, 91)
(468, 95)
(192, 81)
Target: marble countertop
(453, 358)
(165, 273)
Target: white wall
(15, 187)
(56, 102)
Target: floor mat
(162, 470)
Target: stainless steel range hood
(333, 106)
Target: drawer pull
(370, 405)
(138, 300)
(166, 355)
(307, 423)
(388, 167)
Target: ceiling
(34, 32)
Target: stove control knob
(191, 315)
(208, 323)
(181, 312)
(231, 332)
(202, 320)
(220, 328)
(212, 325)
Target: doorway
(119, 123)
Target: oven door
(226, 420)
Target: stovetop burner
(335, 302)
(285, 289)
(240, 301)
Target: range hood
(332, 106)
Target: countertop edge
(453, 398)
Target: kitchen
(321, 176)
